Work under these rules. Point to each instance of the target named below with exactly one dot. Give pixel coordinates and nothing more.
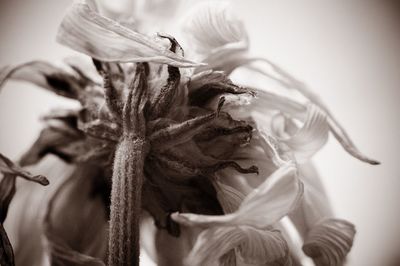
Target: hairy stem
(127, 181)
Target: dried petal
(329, 242)
(310, 137)
(229, 197)
(255, 247)
(7, 192)
(212, 27)
(213, 243)
(6, 251)
(44, 75)
(288, 81)
(86, 31)
(72, 207)
(263, 247)
(272, 200)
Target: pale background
(348, 51)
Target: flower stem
(127, 181)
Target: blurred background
(348, 51)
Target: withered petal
(329, 242)
(86, 31)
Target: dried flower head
(221, 168)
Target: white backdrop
(348, 51)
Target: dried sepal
(204, 94)
(8, 167)
(163, 101)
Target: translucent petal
(272, 200)
(315, 205)
(212, 27)
(229, 198)
(263, 247)
(24, 223)
(310, 138)
(329, 242)
(288, 81)
(71, 209)
(86, 31)
(254, 246)
(213, 243)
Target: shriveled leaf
(86, 31)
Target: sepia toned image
(183, 132)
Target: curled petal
(212, 27)
(256, 247)
(268, 203)
(310, 137)
(86, 31)
(329, 242)
(288, 81)
(263, 247)
(218, 37)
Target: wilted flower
(215, 164)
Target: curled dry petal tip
(7, 166)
